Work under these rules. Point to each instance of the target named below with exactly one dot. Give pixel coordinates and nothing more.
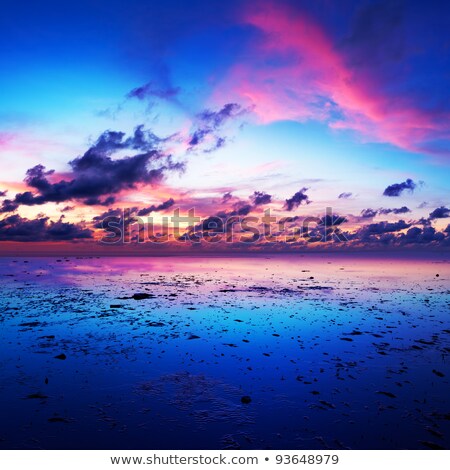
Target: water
(333, 351)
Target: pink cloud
(294, 72)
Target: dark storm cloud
(332, 220)
(111, 214)
(384, 227)
(440, 213)
(345, 195)
(152, 90)
(112, 141)
(399, 210)
(378, 232)
(147, 210)
(8, 206)
(95, 177)
(220, 221)
(396, 189)
(259, 198)
(297, 199)
(16, 228)
(240, 208)
(368, 213)
(95, 201)
(425, 235)
(128, 215)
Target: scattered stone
(439, 374)
(141, 296)
(387, 394)
(36, 396)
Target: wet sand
(298, 352)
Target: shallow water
(333, 351)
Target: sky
(116, 110)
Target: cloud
(384, 227)
(345, 195)
(226, 197)
(440, 213)
(95, 177)
(297, 199)
(218, 223)
(208, 125)
(16, 228)
(151, 90)
(8, 206)
(332, 220)
(163, 206)
(368, 213)
(216, 119)
(371, 233)
(294, 69)
(394, 190)
(128, 214)
(426, 235)
(399, 210)
(3, 193)
(240, 208)
(259, 198)
(111, 213)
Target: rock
(30, 324)
(141, 296)
(246, 400)
(436, 372)
(62, 357)
(387, 394)
(36, 396)
(58, 419)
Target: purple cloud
(297, 199)
(95, 177)
(16, 228)
(394, 190)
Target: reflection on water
(159, 353)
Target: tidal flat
(268, 352)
